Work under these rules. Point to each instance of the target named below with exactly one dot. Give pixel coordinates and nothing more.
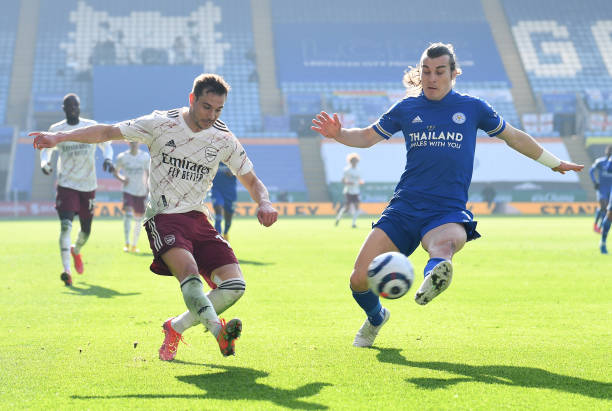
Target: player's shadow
(236, 383)
(251, 262)
(527, 377)
(97, 291)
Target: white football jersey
(183, 163)
(135, 168)
(76, 164)
(351, 178)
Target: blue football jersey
(601, 173)
(440, 145)
(224, 181)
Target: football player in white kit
(76, 183)
(186, 146)
(352, 181)
(134, 163)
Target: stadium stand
(359, 73)
(8, 31)
(565, 46)
(75, 37)
(23, 165)
(278, 164)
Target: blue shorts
(224, 198)
(406, 227)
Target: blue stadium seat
(74, 35)
(8, 31)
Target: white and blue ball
(390, 275)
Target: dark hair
(71, 96)
(609, 150)
(210, 83)
(412, 76)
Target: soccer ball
(390, 275)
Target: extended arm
(353, 137)
(529, 147)
(98, 133)
(266, 214)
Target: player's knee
(359, 280)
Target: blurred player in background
(601, 175)
(76, 183)
(352, 181)
(429, 203)
(224, 195)
(134, 163)
(186, 147)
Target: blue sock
(605, 227)
(598, 215)
(218, 220)
(370, 303)
(431, 264)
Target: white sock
(137, 227)
(199, 305)
(64, 242)
(127, 225)
(80, 242)
(222, 298)
(184, 321)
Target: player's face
(436, 77)
(133, 147)
(71, 108)
(206, 109)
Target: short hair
(412, 76)
(351, 157)
(69, 96)
(609, 150)
(210, 83)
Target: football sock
(599, 214)
(184, 321)
(228, 222)
(127, 225)
(605, 228)
(340, 213)
(226, 294)
(430, 265)
(218, 219)
(370, 303)
(64, 241)
(80, 242)
(137, 228)
(199, 305)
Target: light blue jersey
(440, 145)
(601, 173)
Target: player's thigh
(377, 242)
(225, 272)
(445, 239)
(180, 262)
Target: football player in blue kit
(601, 175)
(429, 203)
(224, 195)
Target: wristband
(548, 159)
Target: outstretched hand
(44, 140)
(567, 166)
(327, 126)
(266, 214)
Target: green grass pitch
(526, 324)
